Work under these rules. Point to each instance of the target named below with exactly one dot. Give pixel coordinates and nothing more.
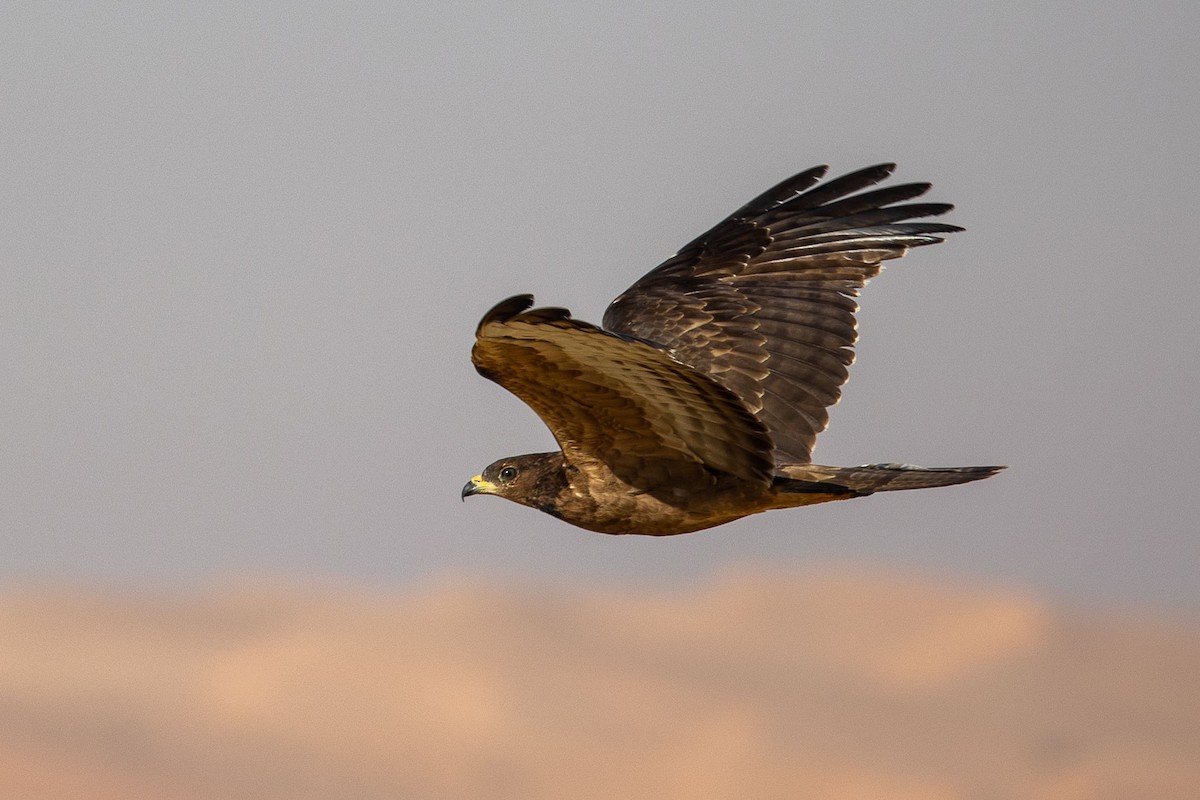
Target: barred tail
(871, 478)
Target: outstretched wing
(658, 424)
(764, 302)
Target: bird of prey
(700, 398)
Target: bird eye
(508, 473)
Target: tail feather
(871, 478)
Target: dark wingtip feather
(844, 185)
(506, 310)
(868, 176)
(518, 307)
(547, 314)
(931, 227)
(934, 209)
(782, 192)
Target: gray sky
(245, 248)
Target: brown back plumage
(764, 302)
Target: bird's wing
(658, 424)
(764, 302)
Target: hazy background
(245, 247)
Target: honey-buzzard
(700, 399)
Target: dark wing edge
(764, 302)
(655, 422)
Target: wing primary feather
(875, 216)
(877, 198)
(781, 192)
(847, 184)
(505, 310)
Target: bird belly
(637, 512)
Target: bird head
(528, 479)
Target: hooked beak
(478, 485)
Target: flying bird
(699, 400)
